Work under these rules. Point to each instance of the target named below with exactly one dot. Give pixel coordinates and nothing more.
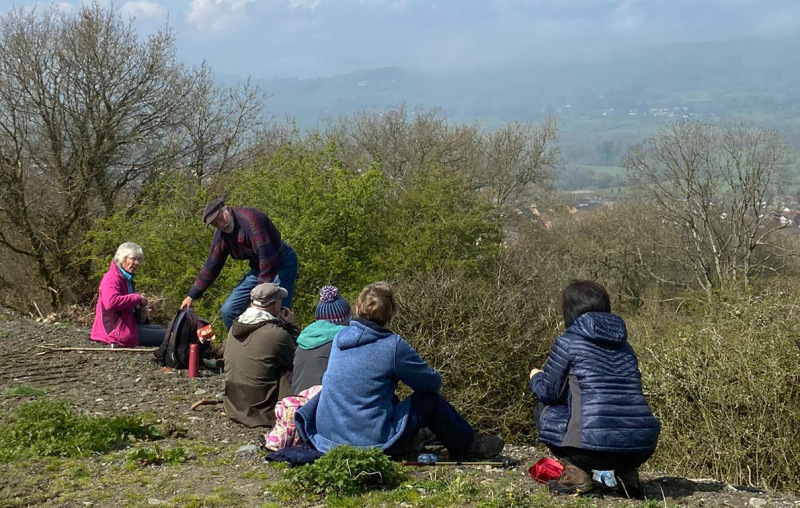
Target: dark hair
(582, 296)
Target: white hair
(128, 250)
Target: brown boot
(629, 484)
(573, 480)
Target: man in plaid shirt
(244, 233)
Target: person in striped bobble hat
(314, 343)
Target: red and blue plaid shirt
(254, 238)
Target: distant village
(785, 215)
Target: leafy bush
(332, 216)
(483, 334)
(349, 227)
(46, 428)
(346, 471)
(723, 379)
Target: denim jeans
(239, 299)
(432, 411)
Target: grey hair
(128, 249)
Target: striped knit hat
(332, 307)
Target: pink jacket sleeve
(114, 297)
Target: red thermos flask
(194, 360)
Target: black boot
(629, 484)
(483, 448)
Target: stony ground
(219, 471)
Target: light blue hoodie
(357, 406)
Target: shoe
(483, 448)
(573, 480)
(629, 484)
(423, 437)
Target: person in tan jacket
(259, 355)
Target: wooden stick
(107, 349)
(38, 311)
(505, 463)
(205, 402)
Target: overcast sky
(309, 38)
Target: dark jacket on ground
(257, 358)
(592, 389)
(312, 354)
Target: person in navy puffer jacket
(592, 412)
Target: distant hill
(603, 103)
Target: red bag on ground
(545, 470)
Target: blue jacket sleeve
(413, 371)
(548, 385)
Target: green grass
(23, 391)
(221, 496)
(51, 428)
(611, 170)
(155, 456)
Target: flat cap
(212, 209)
(267, 292)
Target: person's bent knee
(228, 313)
(427, 400)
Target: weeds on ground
(23, 391)
(155, 456)
(346, 471)
(50, 428)
(222, 496)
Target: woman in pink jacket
(121, 312)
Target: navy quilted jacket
(592, 390)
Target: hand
(143, 303)
(287, 316)
(534, 372)
(187, 302)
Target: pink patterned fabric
(284, 433)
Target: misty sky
(309, 38)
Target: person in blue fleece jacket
(357, 405)
(592, 412)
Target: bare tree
(405, 142)
(517, 155)
(221, 125)
(711, 188)
(88, 111)
(501, 163)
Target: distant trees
(710, 188)
(501, 163)
(515, 156)
(89, 110)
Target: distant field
(611, 170)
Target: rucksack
(180, 334)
